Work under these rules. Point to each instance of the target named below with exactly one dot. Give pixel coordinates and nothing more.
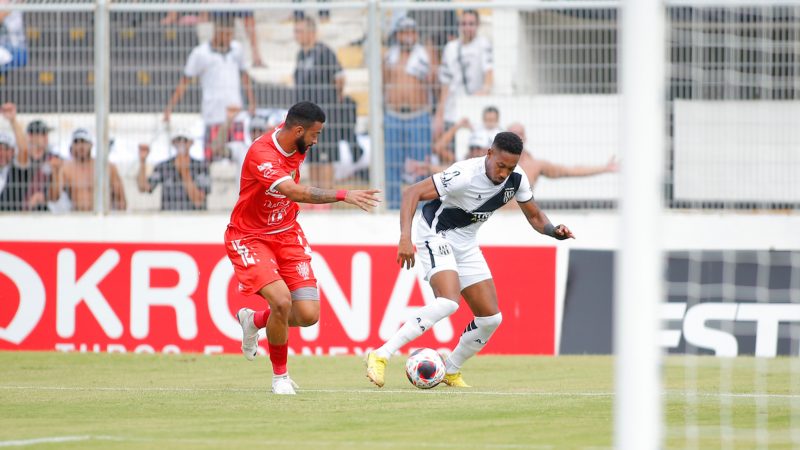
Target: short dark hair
(491, 109)
(508, 142)
(304, 114)
(474, 12)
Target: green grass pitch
(57, 400)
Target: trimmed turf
(195, 401)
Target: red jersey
(261, 209)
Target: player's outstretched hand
(405, 254)
(363, 199)
(562, 232)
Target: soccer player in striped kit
(459, 200)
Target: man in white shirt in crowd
(466, 69)
(220, 64)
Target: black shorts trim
(430, 252)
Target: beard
(300, 143)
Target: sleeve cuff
(526, 200)
(279, 181)
(437, 186)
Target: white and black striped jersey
(467, 198)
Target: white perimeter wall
(594, 230)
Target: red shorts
(260, 259)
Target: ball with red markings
(425, 368)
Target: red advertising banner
(171, 298)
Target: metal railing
(554, 78)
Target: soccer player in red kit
(266, 245)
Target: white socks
(475, 336)
(425, 318)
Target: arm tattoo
(319, 195)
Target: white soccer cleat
(249, 333)
(283, 385)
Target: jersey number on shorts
(244, 252)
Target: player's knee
(305, 317)
(440, 308)
(446, 306)
(489, 323)
(309, 318)
(281, 307)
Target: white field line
(452, 392)
(44, 440)
(261, 442)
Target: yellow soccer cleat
(455, 380)
(376, 366)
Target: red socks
(278, 356)
(277, 353)
(260, 318)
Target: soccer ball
(425, 368)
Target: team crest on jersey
(447, 177)
(303, 270)
(508, 194)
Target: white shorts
(436, 255)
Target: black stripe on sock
(470, 326)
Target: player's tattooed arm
(318, 195)
(364, 199)
(305, 194)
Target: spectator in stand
(484, 134)
(34, 153)
(13, 49)
(534, 168)
(222, 70)
(407, 122)
(13, 179)
(319, 78)
(76, 176)
(477, 146)
(436, 29)
(247, 16)
(466, 69)
(185, 182)
(14, 172)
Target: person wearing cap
(222, 69)
(407, 80)
(257, 127)
(264, 122)
(185, 182)
(41, 158)
(482, 135)
(76, 176)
